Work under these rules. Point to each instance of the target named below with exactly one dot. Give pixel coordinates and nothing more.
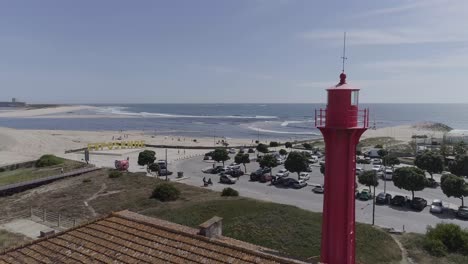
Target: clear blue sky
(282, 51)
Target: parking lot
(385, 215)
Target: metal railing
(43, 216)
(362, 118)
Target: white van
(388, 175)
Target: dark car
(217, 169)
(255, 176)
(431, 183)
(383, 198)
(462, 212)
(285, 182)
(266, 177)
(398, 200)
(418, 203)
(164, 172)
(235, 173)
(228, 179)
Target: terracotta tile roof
(126, 237)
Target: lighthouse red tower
(342, 124)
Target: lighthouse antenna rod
(344, 51)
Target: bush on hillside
(454, 239)
(251, 150)
(115, 174)
(165, 192)
(48, 160)
(229, 192)
(435, 247)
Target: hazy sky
(281, 51)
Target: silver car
(437, 207)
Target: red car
(265, 177)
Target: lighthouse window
(354, 97)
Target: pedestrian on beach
(61, 170)
(210, 182)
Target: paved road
(385, 215)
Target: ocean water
(256, 121)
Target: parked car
(387, 175)
(282, 173)
(377, 161)
(206, 157)
(285, 182)
(304, 176)
(265, 177)
(377, 168)
(462, 212)
(232, 151)
(208, 170)
(318, 188)
(399, 200)
(164, 172)
(418, 203)
(228, 179)
(431, 183)
(309, 168)
(359, 170)
(235, 173)
(437, 207)
(383, 198)
(365, 195)
(297, 184)
(255, 176)
(322, 162)
(363, 161)
(217, 169)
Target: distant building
(456, 135)
(127, 237)
(12, 103)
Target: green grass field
(413, 244)
(26, 174)
(288, 229)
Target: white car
(437, 207)
(282, 173)
(232, 151)
(304, 176)
(280, 161)
(233, 166)
(377, 168)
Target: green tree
(146, 157)
(460, 166)
(307, 146)
(409, 178)
(460, 148)
(390, 161)
(262, 148)
(154, 167)
(296, 162)
(283, 152)
(242, 159)
(382, 153)
(430, 162)
(274, 144)
(454, 186)
(288, 145)
(369, 178)
(268, 161)
(220, 155)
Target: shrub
(153, 167)
(165, 192)
(229, 192)
(307, 146)
(379, 146)
(435, 247)
(86, 180)
(251, 150)
(450, 235)
(48, 160)
(115, 174)
(2, 169)
(274, 144)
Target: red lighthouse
(342, 124)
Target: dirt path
(404, 254)
(101, 192)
